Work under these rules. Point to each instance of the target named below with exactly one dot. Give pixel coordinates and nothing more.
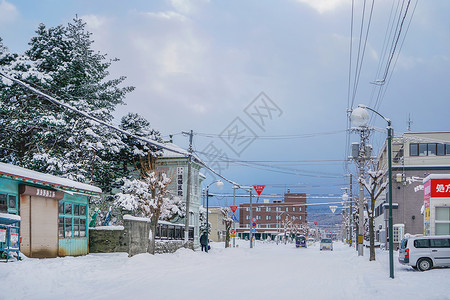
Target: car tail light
(407, 253)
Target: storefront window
(12, 203)
(68, 227)
(61, 227)
(68, 208)
(3, 204)
(443, 228)
(76, 227)
(82, 227)
(83, 210)
(442, 220)
(76, 209)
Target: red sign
(254, 224)
(232, 231)
(315, 223)
(233, 208)
(438, 187)
(259, 189)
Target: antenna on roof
(409, 122)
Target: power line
(86, 115)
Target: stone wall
(132, 237)
(106, 240)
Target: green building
(54, 211)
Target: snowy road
(268, 271)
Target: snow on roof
(38, 177)
(170, 154)
(436, 176)
(10, 216)
(114, 227)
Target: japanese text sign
(259, 189)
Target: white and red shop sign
(437, 187)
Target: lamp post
(362, 109)
(345, 199)
(219, 185)
(360, 118)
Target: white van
(425, 252)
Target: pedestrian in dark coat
(204, 241)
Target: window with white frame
(258, 217)
(268, 217)
(258, 208)
(278, 208)
(293, 208)
(442, 223)
(247, 217)
(267, 209)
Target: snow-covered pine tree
(48, 138)
(138, 126)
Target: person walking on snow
(204, 241)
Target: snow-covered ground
(268, 271)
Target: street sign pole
(251, 220)
(234, 223)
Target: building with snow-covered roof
(54, 211)
(414, 157)
(175, 165)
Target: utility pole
(363, 151)
(350, 223)
(188, 193)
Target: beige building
(215, 217)
(414, 157)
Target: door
(440, 249)
(39, 226)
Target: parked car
(300, 241)
(310, 241)
(326, 244)
(425, 252)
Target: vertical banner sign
(180, 173)
(259, 189)
(426, 199)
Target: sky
(264, 85)
(267, 271)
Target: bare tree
(228, 222)
(147, 196)
(374, 187)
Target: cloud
(8, 12)
(323, 6)
(187, 6)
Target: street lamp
(362, 117)
(219, 185)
